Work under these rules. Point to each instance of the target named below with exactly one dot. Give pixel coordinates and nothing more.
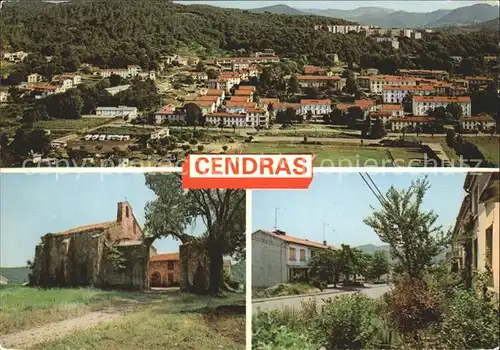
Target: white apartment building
(398, 123)
(257, 117)
(239, 107)
(130, 72)
(34, 78)
(377, 82)
(160, 134)
(319, 81)
(227, 119)
(318, 108)
(396, 93)
(480, 122)
(114, 112)
(421, 104)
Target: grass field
(154, 320)
(25, 307)
(489, 147)
(174, 321)
(342, 155)
(72, 125)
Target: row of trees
(333, 266)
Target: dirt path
(57, 330)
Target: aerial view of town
(113, 83)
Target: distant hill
(370, 249)
(15, 275)
(279, 10)
(467, 15)
(387, 18)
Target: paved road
(296, 302)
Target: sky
(343, 200)
(404, 5)
(32, 205)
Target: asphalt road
(296, 302)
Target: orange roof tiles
(318, 77)
(409, 87)
(458, 99)
(240, 104)
(389, 107)
(286, 105)
(412, 119)
(478, 118)
(295, 240)
(214, 92)
(226, 114)
(243, 92)
(390, 78)
(208, 98)
(246, 87)
(165, 257)
(256, 110)
(313, 69)
(239, 98)
(93, 227)
(201, 103)
(269, 100)
(315, 102)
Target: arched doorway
(155, 279)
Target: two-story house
(277, 257)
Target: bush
(469, 323)
(201, 148)
(413, 306)
(193, 141)
(271, 332)
(353, 322)
(283, 289)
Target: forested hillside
(115, 33)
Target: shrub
(225, 148)
(270, 331)
(351, 322)
(469, 322)
(283, 289)
(193, 141)
(412, 305)
(201, 148)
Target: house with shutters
(278, 257)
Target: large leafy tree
(412, 233)
(221, 211)
(325, 267)
(380, 264)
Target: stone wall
(67, 260)
(127, 227)
(133, 272)
(193, 258)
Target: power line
(372, 190)
(373, 182)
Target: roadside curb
(337, 291)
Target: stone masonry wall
(192, 257)
(127, 227)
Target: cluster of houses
(104, 137)
(59, 84)
(14, 57)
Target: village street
(295, 302)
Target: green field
(343, 155)
(25, 307)
(489, 147)
(148, 319)
(72, 125)
(173, 321)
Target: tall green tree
(221, 211)
(412, 233)
(380, 264)
(325, 267)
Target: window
(475, 258)
(170, 277)
(127, 212)
(170, 265)
(292, 254)
(302, 255)
(489, 252)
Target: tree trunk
(216, 269)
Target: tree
(200, 66)
(351, 86)
(412, 233)
(348, 261)
(325, 267)
(221, 211)
(212, 74)
(193, 114)
(115, 80)
(379, 265)
(309, 115)
(378, 129)
(293, 86)
(455, 110)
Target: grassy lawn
(73, 125)
(489, 147)
(342, 155)
(284, 289)
(172, 321)
(25, 307)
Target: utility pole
(324, 232)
